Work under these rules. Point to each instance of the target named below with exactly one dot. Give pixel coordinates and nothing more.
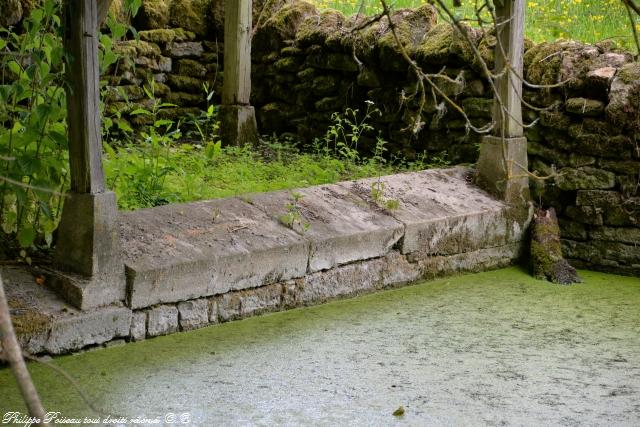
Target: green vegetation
(585, 20)
(158, 170)
(33, 136)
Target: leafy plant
(343, 136)
(33, 141)
(294, 216)
(145, 169)
(208, 126)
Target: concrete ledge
(443, 212)
(339, 225)
(197, 264)
(180, 252)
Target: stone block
(185, 49)
(163, 35)
(630, 235)
(585, 214)
(138, 326)
(598, 198)
(260, 300)
(89, 269)
(213, 310)
(339, 225)
(181, 252)
(330, 103)
(186, 84)
(555, 120)
(442, 212)
(476, 261)
(162, 320)
(585, 178)
(191, 68)
(325, 85)
(193, 314)
(159, 64)
(368, 78)
(584, 106)
(478, 107)
(82, 329)
(585, 251)
(229, 306)
(346, 280)
(333, 61)
(397, 270)
(572, 230)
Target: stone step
(45, 323)
(181, 252)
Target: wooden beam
(236, 88)
(103, 10)
(83, 95)
(510, 34)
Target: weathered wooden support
(103, 10)
(238, 122)
(88, 243)
(502, 165)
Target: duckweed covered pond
(495, 348)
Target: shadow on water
(483, 348)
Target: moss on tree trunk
(546, 252)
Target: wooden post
(238, 123)
(510, 33)
(502, 165)
(88, 243)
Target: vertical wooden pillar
(502, 165)
(88, 243)
(238, 123)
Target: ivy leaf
(26, 237)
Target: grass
(585, 20)
(185, 172)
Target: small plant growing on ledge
(377, 194)
(294, 216)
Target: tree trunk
(546, 251)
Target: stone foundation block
(138, 326)
(162, 320)
(193, 314)
(88, 328)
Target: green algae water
(490, 348)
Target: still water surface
(495, 348)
